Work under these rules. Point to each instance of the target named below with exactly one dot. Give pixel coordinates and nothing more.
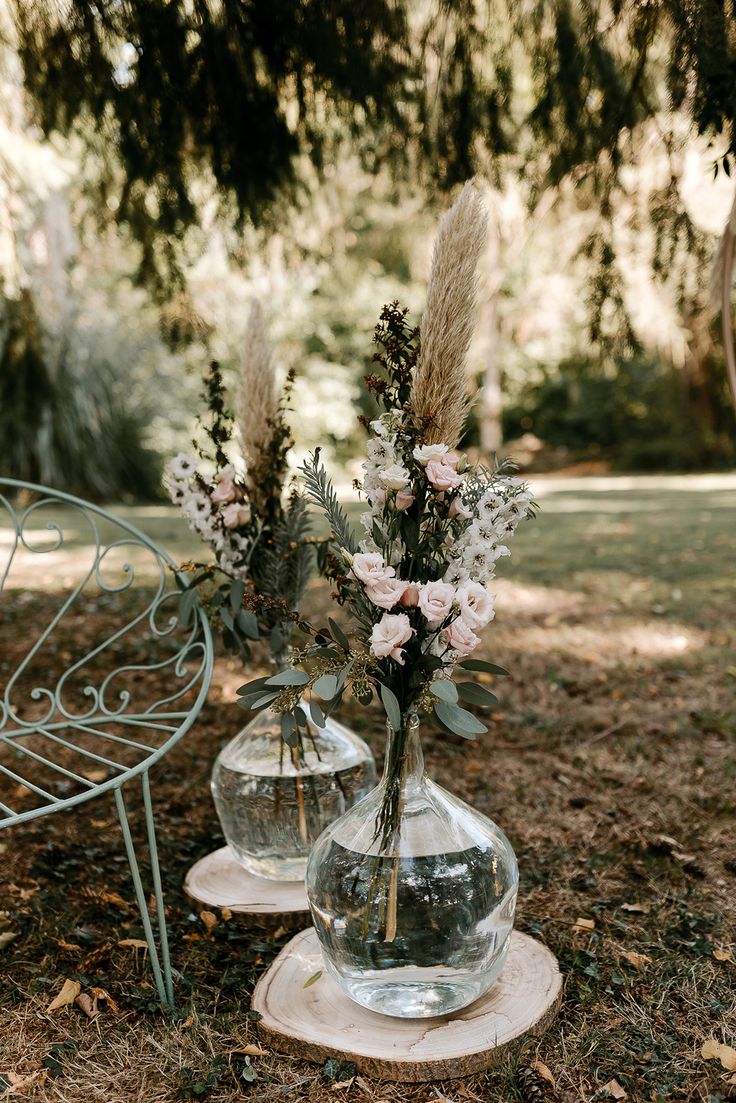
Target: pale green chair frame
(189, 662)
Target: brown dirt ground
(609, 763)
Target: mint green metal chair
(89, 713)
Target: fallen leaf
(641, 909)
(134, 943)
(69, 946)
(583, 924)
(279, 933)
(341, 1085)
(636, 959)
(209, 920)
(69, 992)
(723, 955)
(251, 1050)
(363, 1085)
(614, 1090)
(313, 979)
(103, 994)
(96, 775)
(88, 1004)
(225, 914)
(541, 1069)
(22, 1083)
(6, 937)
(113, 898)
(719, 1051)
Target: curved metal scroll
(124, 696)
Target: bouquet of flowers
(416, 584)
(233, 499)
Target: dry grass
(610, 763)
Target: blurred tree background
(162, 161)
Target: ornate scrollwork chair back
(100, 674)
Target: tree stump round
(317, 1020)
(219, 881)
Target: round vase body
(416, 924)
(273, 802)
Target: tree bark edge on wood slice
(320, 1021)
(219, 881)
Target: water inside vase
(433, 943)
(271, 810)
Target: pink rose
(435, 600)
(224, 491)
(404, 499)
(459, 509)
(369, 568)
(442, 475)
(410, 597)
(476, 604)
(386, 594)
(460, 636)
(453, 458)
(389, 634)
(235, 514)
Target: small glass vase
(273, 801)
(412, 893)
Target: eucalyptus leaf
(186, 606)
(338, 635)
(316, 713)
(227, 619)
(237, 592)
(248, 624)
(261, 702)
(459, 720)
(325, 687)
(251, 687)
(444, 690)
(343, 675)
(476, 695)
(289, 731)
(288, 678)
(481, 664)
(392, 707)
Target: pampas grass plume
(440, 388)
(258, 403)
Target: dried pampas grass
(440, 389)
(258, 401)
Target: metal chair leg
(165, 991)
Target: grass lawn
(610, 763)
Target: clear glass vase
(412, 893)
(273, 801)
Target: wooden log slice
(219, 881)
(320, 1021)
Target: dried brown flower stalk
(440, 388)
(258, 402)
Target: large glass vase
(273, 801)
(412, 893)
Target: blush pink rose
(235, 514)
(386, 594)
(459, 509)
(388, 636)
(442, 475)
(461, 637)
(476, 604)
(369, 568)
(410, 597)
(404, 499)
(435, 600)
(224, 491)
